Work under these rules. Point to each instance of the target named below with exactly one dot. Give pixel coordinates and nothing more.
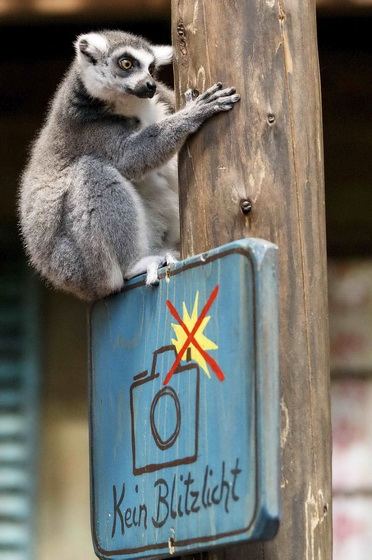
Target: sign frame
(261, 257)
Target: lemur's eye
(125, 63)
(151, 69)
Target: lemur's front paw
(213, 100)
(150, 266)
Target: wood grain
(268, 150)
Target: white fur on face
(96, 83)
(99, 79)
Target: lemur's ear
(163, 54)
(92, 46)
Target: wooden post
(267, 152)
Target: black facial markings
(134, 61)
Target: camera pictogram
(165, 419)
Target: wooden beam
(267, 152)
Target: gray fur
(98, 199)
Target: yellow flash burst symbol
(204, 342)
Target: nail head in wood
(246, 206)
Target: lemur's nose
(145, 88)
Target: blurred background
(44, 493)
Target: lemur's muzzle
(147, 88)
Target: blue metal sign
(184, 407)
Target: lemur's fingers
(150, 266)
(152, 274)
(152, 278)
(144, 265)
(170, 258)
(231, 99)
(224, 107)
(222, 93)
(210, 91)
(222, 104)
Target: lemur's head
(113, 63)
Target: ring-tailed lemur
(98, 199)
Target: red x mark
(191, 339)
